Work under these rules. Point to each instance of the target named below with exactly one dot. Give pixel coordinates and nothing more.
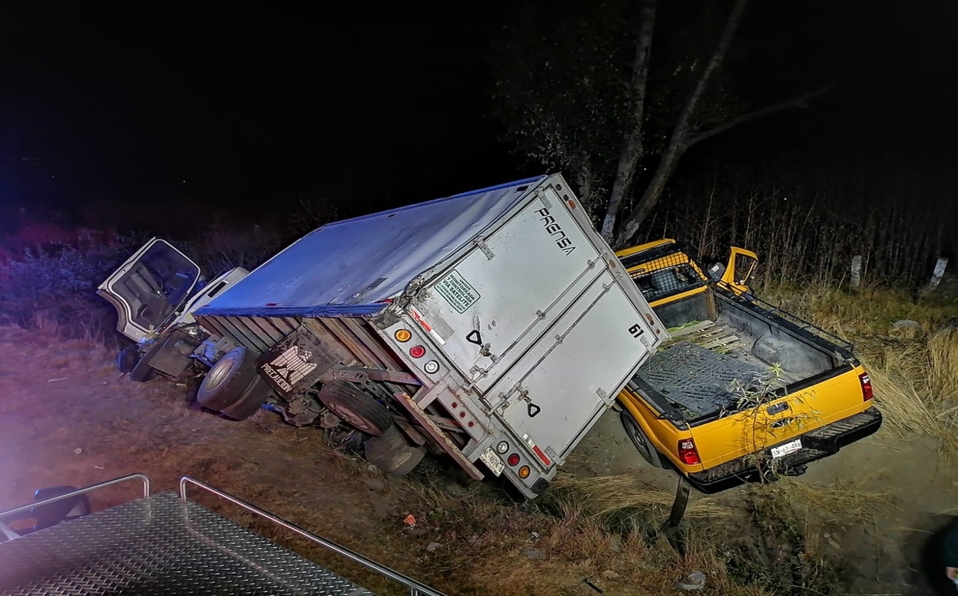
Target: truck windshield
(173, 274)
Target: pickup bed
(742, 390)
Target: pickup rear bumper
(816, 444)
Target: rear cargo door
(492, 305)
(560, 387)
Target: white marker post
(938, 273)
(856, 271)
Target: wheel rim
(351, 418)
(219, 372)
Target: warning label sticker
(457, 292)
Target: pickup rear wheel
(642, 443)
(228, 381)
(355, 407)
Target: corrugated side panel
(259, 334)
(256, 333)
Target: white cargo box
(536, 323)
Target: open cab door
(149, 288)
(741, 266)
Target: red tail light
(687, 452)
(513, 459)
(866, 382)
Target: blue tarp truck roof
(352, 267)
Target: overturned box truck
(494, 326)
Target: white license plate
(493, 461)
(783, 450)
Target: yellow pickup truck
(742, 391)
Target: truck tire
(392, 453)
(228, 381)
(127, 358)
(356, 408)
(638, 437)
(142, 371)
(250, 402)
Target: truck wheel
(142, 371)
(227, 382)
(642, 443)
(392, 453)
(127, 358)
(250, 402)
(356, 408)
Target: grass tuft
(943, 352)
(608, 496)
(845, 501)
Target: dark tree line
(615, 92)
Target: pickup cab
(742, 391)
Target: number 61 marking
(636, 330)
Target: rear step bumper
(816, 444)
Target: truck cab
(155, 293)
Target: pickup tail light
(866, 382)
(688, 453)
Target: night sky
(179, 109)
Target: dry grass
(943, 353)
(846, 501)
(908, 409)
(573, 532)
(860, 314)
(611, 495)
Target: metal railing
(415, 588)
(81, 491)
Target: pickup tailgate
(780, 423)
(544, 321)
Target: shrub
(52, 286)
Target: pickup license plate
(783, 450)
(493, 461)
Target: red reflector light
(687, 452)
(513, 459)
(417, 351)
(866, 382)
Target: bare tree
(632, 148)
(684, 136)
(567, 92)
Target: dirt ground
(67, 417)
(913, 492)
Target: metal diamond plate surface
(697, 378)
(159, 545)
